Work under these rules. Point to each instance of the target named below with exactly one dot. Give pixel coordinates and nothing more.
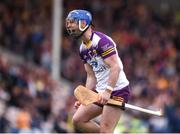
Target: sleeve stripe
(111, 49)
(108, 55)
(108, 51)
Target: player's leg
(111, 114)
(82, 118)
(109, 118)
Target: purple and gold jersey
(101, 47)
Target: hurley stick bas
(86, 97)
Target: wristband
(110, 88)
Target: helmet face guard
(73, 32)
(78, 16)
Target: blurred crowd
(30, 100)
(148, 44)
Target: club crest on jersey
(94, 52)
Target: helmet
(78, 16)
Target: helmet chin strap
(82, 29)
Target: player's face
(72, 27)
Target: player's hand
(77, 104)
(103, 97)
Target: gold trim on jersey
(88, 45)
(108, 51)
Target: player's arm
(107, 49)
(91, 79)
(108, 52)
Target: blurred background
(40, 65)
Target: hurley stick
(86, 97)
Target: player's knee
(106, 128)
